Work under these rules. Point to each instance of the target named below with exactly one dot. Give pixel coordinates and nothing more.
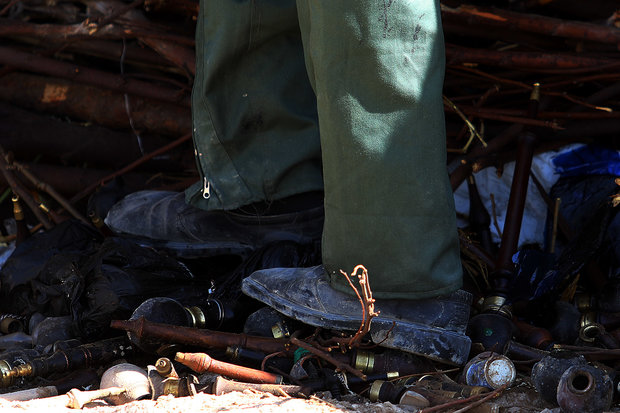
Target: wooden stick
(544, 90)
(180, 56)
(50, 190)
(531, 61)
(532, 23)
(93, 104)
(117, 13)
(87, 75)
(6, 8)
(487, 113)
(507, 118)
(21, 192)
(130, 167)
(478, 398)
(82, 31)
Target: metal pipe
(200, 337)
(203, 363)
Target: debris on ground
(94, 105)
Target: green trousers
(341, 95)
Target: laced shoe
(434, 328)
(163, 220)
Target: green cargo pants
(341, 95)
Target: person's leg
(377, 70)
(255, 137)
(254, 111)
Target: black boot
(162, 219)
(433, 327)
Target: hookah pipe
(493, 326)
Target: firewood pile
(496, 55)
(88, 87)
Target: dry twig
(477, 400)
(50, 190)
(472, 129)
(339, 366)
(366, 300)
(22, 192)
(130, 167)
(269, 356)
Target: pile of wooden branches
(496, 55)
(117, 76)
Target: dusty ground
(516, 400)
(231, 402)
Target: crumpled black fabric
(102, 281)
(111, 282)
(31, 255)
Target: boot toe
(433, 327)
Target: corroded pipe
(203, 363)
(199, 337)
(530, 335)
(516, 203)
(87, 355)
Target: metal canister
(547, 372)
(11, 359)
(585, 389)
(490, 370)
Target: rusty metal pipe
(203, 363)
(183, 7)
(518, 351)
(71, 180)
(530, 335)
(518, 191)
(468, 161)
(516, 204)
(496, 309)
(81, 31)
(479, 218)
(199, 337)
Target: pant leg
(254, 111)
(377, 69)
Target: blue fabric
(588, 160)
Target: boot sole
(435, 343)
